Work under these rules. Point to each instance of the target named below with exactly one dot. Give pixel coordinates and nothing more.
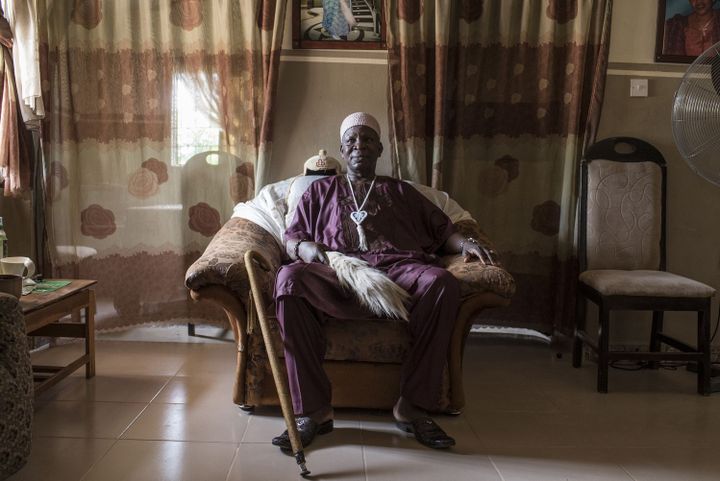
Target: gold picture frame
(338, 24)
(685, 29)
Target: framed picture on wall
(686, 28)
(345, 24)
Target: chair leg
(603, 348)
(657, 327)
(580, 321)
(703, 342)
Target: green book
(49, 286)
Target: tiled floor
(163, 411)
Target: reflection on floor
(163, 411)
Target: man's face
(360, 148)
(701, 7)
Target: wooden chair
(622, 257)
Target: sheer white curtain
(154, 131)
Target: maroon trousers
(307, 293)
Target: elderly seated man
(393, 228)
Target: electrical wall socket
(638, 87)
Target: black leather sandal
(427, 433)
(307, 428)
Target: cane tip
(304, 471)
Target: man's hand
(472, 252)
(6, 35)
(313, 252)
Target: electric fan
(696, 115)
(696, 128)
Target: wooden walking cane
(278, 373)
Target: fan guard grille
(696, 115)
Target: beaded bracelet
(297, 248)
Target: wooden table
(43, 312)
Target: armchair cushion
(363, 340)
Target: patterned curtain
(15, 141)
(159, 120)
(493, 101)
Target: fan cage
(696, 115)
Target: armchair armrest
(223, 261)
(476, 277)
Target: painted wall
(633, 31)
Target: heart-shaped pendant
(358, 216)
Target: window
(195, 126)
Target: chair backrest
(622, 206)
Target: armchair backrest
(622, 206)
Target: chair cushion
(644, 283)
(362, 340)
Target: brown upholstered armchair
(363, 356)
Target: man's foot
(411, 419)
(427, 433)
(307, 428)
(405, 411)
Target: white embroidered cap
(359, 118)
(321, 162)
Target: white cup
(19, 266)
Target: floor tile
(207, 421)
(676, 429)
(84, 419)
(674, 464)
(61, 459)
(406, 459)
(206, 359)
(115, 388)
(329, 461)
(263, 426)
(131, 358)
(484, 397)
(197, 389)
(538, 463)
(505, 429)
(130, 460)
